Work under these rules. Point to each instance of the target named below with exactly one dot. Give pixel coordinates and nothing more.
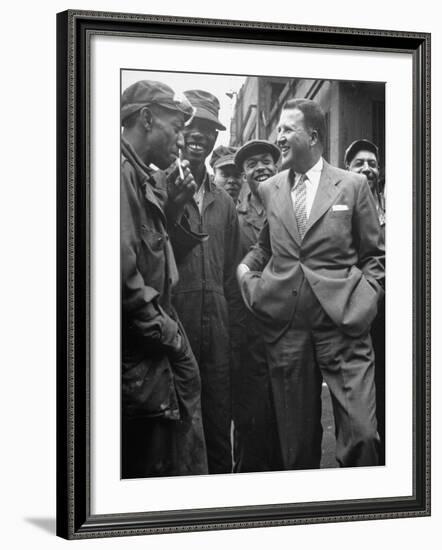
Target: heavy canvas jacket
(153, 380)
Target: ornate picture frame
(75, 218)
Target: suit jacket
(341, 255)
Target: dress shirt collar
(313, 174)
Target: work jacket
(153, 341)
(207, 295)
(251, 218)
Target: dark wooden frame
(74, 520)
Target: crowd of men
(245, 289)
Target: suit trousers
(378, 338)
(313, 349)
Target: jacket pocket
(151, 258)
(362, 306)
(148, 388)
(152, 239)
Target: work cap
(206, 106)
(255, 147)
(359, 145)
(149, 92)
(223, 156)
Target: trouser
(216, 405)
(378, 338)
(153, 447)
(205, 318)
(310, 350)
(256, 441)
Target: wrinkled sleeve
(140, 308)
(259, 254)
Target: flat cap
(206, 106)
(150, 92)
(223, 156)
(255, 147)
(359, 145)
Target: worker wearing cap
(162, 431)
(257, 446)
(226, 174)
(257, 161)
(362, 157)
(207, 296)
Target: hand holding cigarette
(184, 187)
(180, 168)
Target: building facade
(353, 110)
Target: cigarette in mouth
(180, 168)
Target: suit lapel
(284, 207)
(325, 195)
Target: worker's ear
(146, 118)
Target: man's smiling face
(258, 168)
(294, 140)
(366, 163)
(199, 140)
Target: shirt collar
(248, 200)
(314, 171)
(254, 202)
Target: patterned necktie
(300, 204)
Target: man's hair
(314, 117)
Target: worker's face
(165, 137)
(258, 168)
(199, 140)
(366, 163)
(229, 178)
(294, 139)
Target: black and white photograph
(232, 353)
(253, 266)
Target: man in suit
(314, 280)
